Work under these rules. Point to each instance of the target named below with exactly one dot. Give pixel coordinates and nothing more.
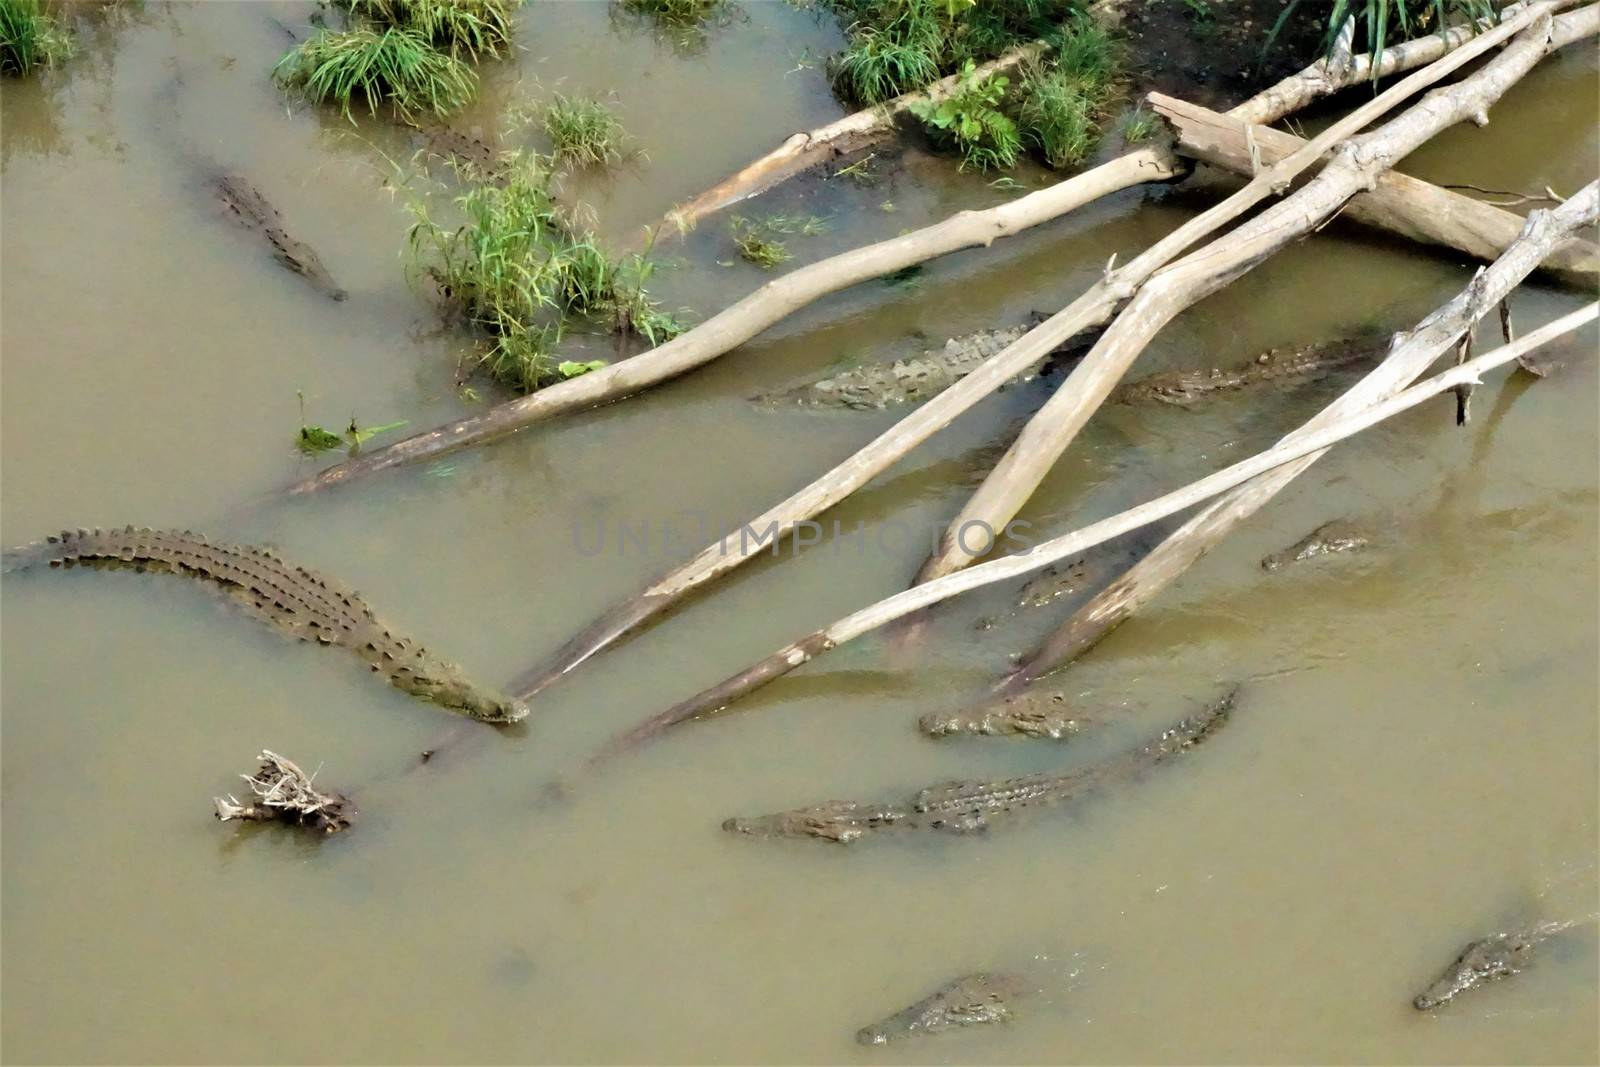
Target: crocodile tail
(57, 548)
(126, 544)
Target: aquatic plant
(397, 65)
(971, 118)
(470, 27)
(757, 245)
(629, 304)
(675, 12)
(583, 131)
(30, 37)
(802, 225)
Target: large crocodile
(905, 381)
(1338, 535)
(1277, 366)
(963, 807)
(254, 212)
(292, 599)
(971, 1000)
(1497, 956)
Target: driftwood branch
(282, 792)
(1092, 308)
(1356, 166)
(1286, 454)
(1085, 628)
(783, 296)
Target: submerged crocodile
(971, 1000)
(963, 807)
(1339, 535)
(1276, 366)
(1051, 584)
(292, 599)
(254, 212)
(1498, 956)
(878, 386)
(905, 381)
(472, 154)
(1039, 713)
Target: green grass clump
(1063, 101)
(515, 270)
(889, 57)
(971, 118)
(30, 38)
(461, 27)
(1138, 126)
(675, 12)
(1059, 119)
(582, 131)
(900, 45)
(397, 65)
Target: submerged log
(1356, 166)
(1085, 628)
(1312, 441)
(782, 296)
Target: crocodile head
(445, 685)
(835, 820)
(1482, 961)
(972, 1000)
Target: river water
(1412, 763)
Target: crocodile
(1036, 713)
(905, 381)
(963, 807)
(292, 599)
(1488, 959)
(255, 212)
(835, 820)
(1052, 583)
(477, 159)
(1275, 366)
(971, 1000)
(1339, 535)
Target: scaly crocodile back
(295, 600)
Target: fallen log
(1200, 534)
(782, 296)
(1356, 166)
(842, 137)
(1286, 452)
(751, 315)
(1398, 204)
(1093, 308)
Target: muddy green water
(1412, 765)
